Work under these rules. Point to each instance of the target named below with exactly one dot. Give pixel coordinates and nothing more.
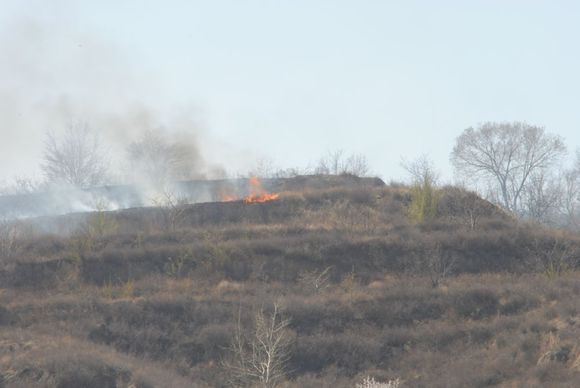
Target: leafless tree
(266, 168)
(290, 172)
(339, 163)
(76, 158)
(508, 155)
(21, 185)
(357, 164)
(173, 208)
(160, 159)
(553, 197)
(438, 263)
(260, 360)
(542, 198)
(421, 169)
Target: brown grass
(152, 307)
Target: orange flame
(261, 198)
(258, 194)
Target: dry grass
(151, 306)
(47, 360)
(403, 325)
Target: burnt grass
(153, 298)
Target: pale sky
(287, 79)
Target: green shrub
(424, 200)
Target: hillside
(157, 296)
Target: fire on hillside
(256, 194)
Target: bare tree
(339, 163)
(542, 198)
(357, 164)
(260, 360)
(160, 159)
(507, 154)
(331, 163)
(553, 197)
(173, 208)
(438, 263)
(76, 158)
(421, 169)
(264, 168)
(21, 185)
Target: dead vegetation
(326, 287)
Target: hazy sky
(287, 79)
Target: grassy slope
(140, 302)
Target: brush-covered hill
(179, 295)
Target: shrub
(369, 382)
(315, 280)
(477, 304)
(424, 200)
(553, 254)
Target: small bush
(369, 382)
(424, 200)
(477, 304)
